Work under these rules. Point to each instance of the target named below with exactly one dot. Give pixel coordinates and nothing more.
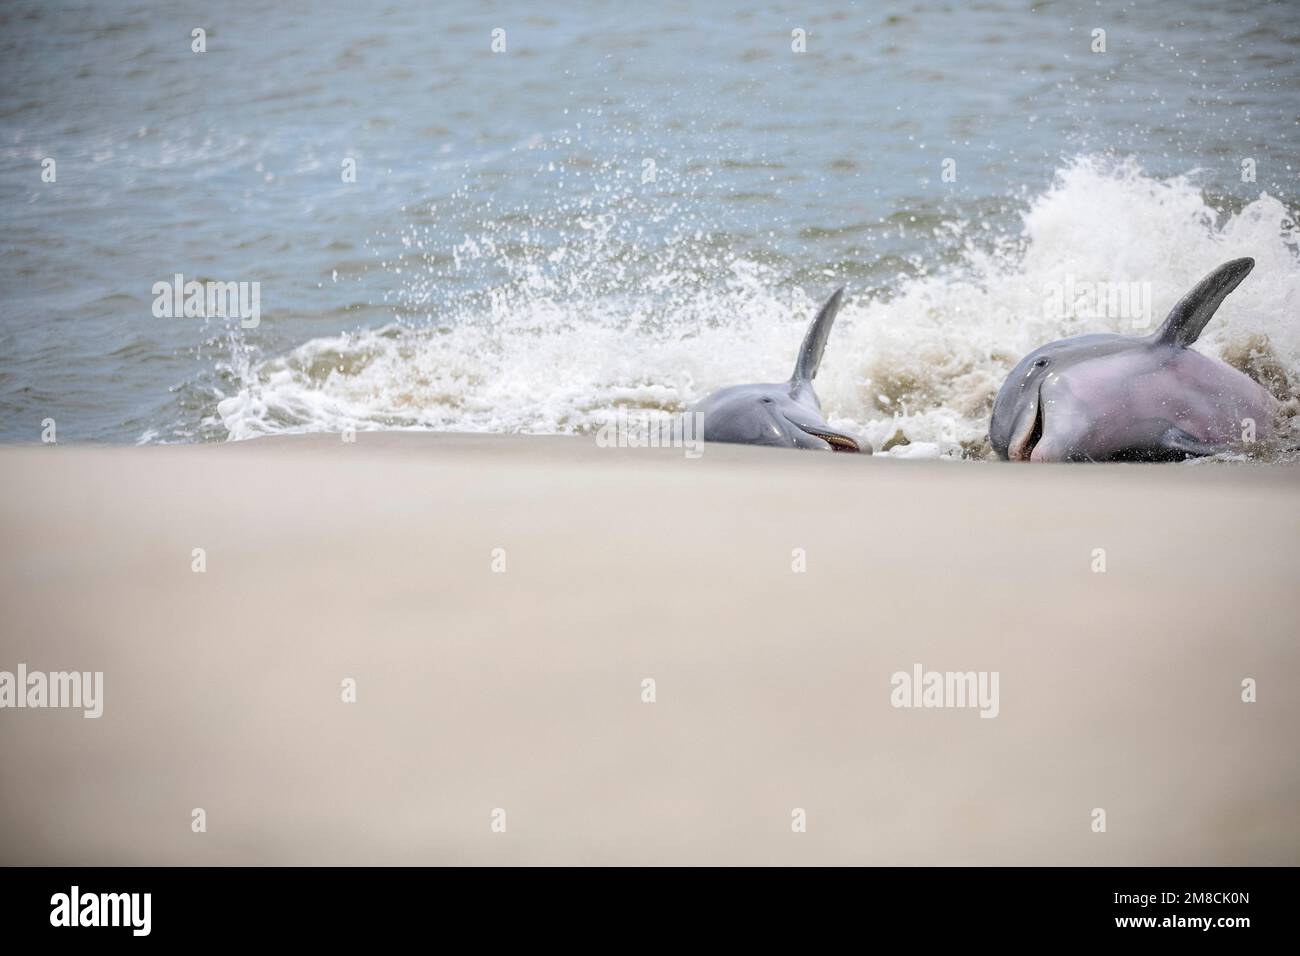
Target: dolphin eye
(767, 401)
(1041, 363)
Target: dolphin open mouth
(812, 424)
(836, 441)
(1036, 435)
(1023, 445)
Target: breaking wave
(620, 305)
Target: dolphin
(787, 415)
(1107, 397)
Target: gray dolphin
(787, 415)
(1107, 397)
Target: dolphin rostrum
(1108, 397)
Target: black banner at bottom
(1167, 905)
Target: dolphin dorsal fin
(1186, 320)
(814, 343)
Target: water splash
(547, 324)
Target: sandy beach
(514, 680)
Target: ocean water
(629, 206)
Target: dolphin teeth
(838, 442)
(1023, 443)
(1037, 434)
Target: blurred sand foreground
(522, 690)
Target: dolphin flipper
(1177, 441)
(814, 343)
(1186, 320)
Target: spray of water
(609, 302)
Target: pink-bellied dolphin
(787, 415)
(1107, 397)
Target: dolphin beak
(1029, 430)
(837, 441)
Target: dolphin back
(1186, 320)
(814, 342)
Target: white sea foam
(923, 358)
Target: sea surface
(626, 207)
